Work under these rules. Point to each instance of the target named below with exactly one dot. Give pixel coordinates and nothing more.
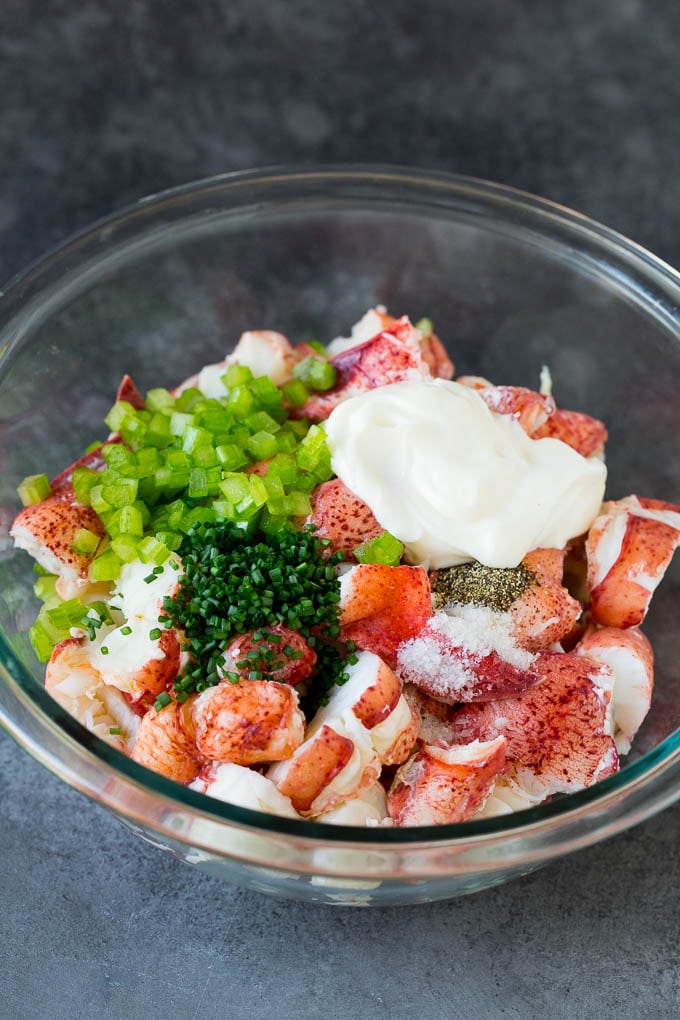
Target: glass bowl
(511, 282)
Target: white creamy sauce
(456, 482)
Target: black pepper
(473, 583)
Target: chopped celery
(224, 510)
(197, 515)
(97, 501)
(130, 521)
(305, 482)
(133, 429)
(105, 567)
(198, 483)
(237, 375)
(45, 588)
(258, 490)
(240, 401)
(34, 489)
(316, 372)
(188, 398)
(297, 504)
(296, 393)
(159, 400)
(260, 421)
(171, 539)
(273, 484)
(158, 431)
(195, 436)
(121, 493)
(118, 413)
(172, 477)
(266, 392)
(231, 456)
(213, 417)
(262, 445)
(272, 523)
(65, 615)
(204, 456)
(293, 504)
(312, 450)
(148, 493)
(148, 459)
(85, 541)
(283, 466)
(117, 457)
(150, 550)
(235, 487)
(247, 509)
(41, 641)
(179, 422)
(384, 548)
(286, 441)
(82, 480)
(125, 547)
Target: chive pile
(234, 583)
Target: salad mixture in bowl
(330, 582)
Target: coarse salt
(474, 632)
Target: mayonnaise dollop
(456, 482)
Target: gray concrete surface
(102, 102)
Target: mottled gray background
(101, 102)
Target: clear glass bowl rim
(638, 791)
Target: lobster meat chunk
(342, 518)
(392, 355)
(336, 763)
(628, 549)
(248, 722)
(373, 694)
(442, 784)
(630, 657)
(525, 406)
(559, 730)
(584, 434)
(383, 606)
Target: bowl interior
(509, 287)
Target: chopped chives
(233, 584)
(162, 700)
